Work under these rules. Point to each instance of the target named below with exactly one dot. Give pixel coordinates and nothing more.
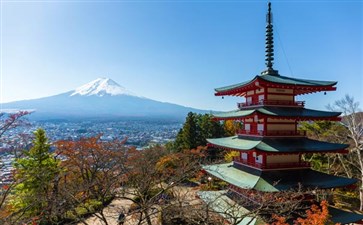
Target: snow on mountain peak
(101, 87)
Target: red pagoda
(270, 145)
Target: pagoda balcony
(284, 133)
(270, 166)
(282, 103)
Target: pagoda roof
(276, 180)
(220, 202)
(344, 217)
(276, 145)
(284, 112)
(278, 81)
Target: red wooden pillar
(265, 125)
(265, 93)
(264, 161)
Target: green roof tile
(296, 81)
(279, 112)
(226, 207)
(221, 203)
(234, 176)
(283, 145)
(344, 217)
(276, 180)
(233, 86)
(279, 80)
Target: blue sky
(177, 51)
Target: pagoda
(270, 145)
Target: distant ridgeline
(101, 99)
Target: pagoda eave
(257, 82)
(277, 145)
(340, 151)
(263, 112)
(221, 202)
(276, 180)
(279, 117)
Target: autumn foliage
(314, 216)
(92, 171)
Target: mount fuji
(102, 98)
(101, 87)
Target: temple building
(270, 146)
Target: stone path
(111, 212)
(121, 205)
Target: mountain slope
(101, 87)
(101, 98)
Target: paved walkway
(111, 212)
(121, 205)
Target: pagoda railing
(272, 103)
(271, 132)
(251, 132)
(238, 160)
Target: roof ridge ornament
(269, 45)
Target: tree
(34, 177)
(353, 121)
(228, 157)
(348, 131)
(92, 172)
(9, 122)
(231, 127)
(314, 216)
(209, 128)
(152, 176)
(326, 131)
(190, 134)
(196, 129)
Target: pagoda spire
(269, 44)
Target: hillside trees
(331, 132)
(353, 121)
(314, 216)
(11, 121)
(196, 129)
(7, 123)
(92, 173)
(34, 176)
(348, 131)
(19, 140)
(53, 191)
(152, 176)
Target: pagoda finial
(269, 44)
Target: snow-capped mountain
(101, 87)
(102, 98)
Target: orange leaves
(200, 151)
(279, 220)
(94, 168)
(167, 163)
(314, 216)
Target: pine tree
(34, 175)
(210, 128)
(190, 132)
(196, 129)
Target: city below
(140, 132)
